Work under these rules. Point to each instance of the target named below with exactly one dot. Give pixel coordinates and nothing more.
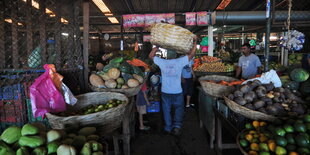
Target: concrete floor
(193, 140)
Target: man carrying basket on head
(172, 96)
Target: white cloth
(268, 77)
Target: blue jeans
(177, 101)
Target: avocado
(288, 128)
(302, 141)
(280, 132)
(303, 150)
(281, 141)
(291, 147)
(306, 118)
(290, 138)
(299, 127)
(243, 143)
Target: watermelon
(125, 68)
(305, 88)
(293, 85)
(299, 75)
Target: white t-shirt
(171, 71)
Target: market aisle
(193, 140)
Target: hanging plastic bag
(69, 97)
(44, 95)
(205, 41)
(56, 78)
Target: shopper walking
(187, 82)
(171, 70)
(142, 101)
(249, 63)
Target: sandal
(146, 128)
(187, 106)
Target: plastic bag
(69, 97)
(44, 95)
(268, 77)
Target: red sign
(203, 18)
(190, 18)
(133, 20)
(147, 38)
(170, 18)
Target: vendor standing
(248, 64)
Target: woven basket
(172, 37)
(248, 113)
(128, 91)
(214, 89)
(107, 120)
(238, 142)
(199, 74)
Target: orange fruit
(272, 145)
(293, 153)
(263, 139)
(262, 124)
(254, 147)
(249, 137)
(253, 153)
(255, 124)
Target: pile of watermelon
(297, 80)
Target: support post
(210, 40)
(242, 39)
(58, 35)
(85, 40)
(42, 28)
(15, 54)
(29, 28)
(267, 36)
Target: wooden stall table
(128, 129)
(220, 123)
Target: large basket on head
(215, 89)
(107, 120)
(172, 37)
(248, 113)
(127, 91)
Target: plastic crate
(13, 111)
(12, 92)
(153, 107)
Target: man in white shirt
(172, 95)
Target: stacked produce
(119, 74)
(290, 136)
(267, 99)
(294, 59)
(211, 64)
(226, 83)
(297, 80)
(214, 67)
(209, 59)
(37, 140)
(94, 108)
(225, 55)
(276, 66)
